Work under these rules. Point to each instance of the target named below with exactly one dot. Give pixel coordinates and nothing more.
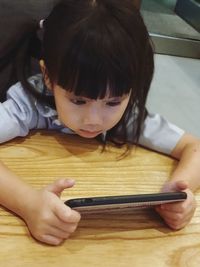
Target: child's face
(86, 117)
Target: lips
(91, 132)
(86, 133)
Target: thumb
(181, 185)
(175, 186)
(59, 185)
(66, 214)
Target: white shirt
(21, 112)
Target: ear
(45, 75)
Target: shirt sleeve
(159, 134)
(18, 114)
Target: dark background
(14, 14)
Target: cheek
(114, 115)
(121, 109)
(66, 114)
(118, 113)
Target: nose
(93, 115)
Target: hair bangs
(90, 75)
(93, 79)
(90, 66)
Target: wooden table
(137, 239)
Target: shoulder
(21, 97)
(19, 92)
(18, 114)
(159, 134)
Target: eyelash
(82, 102)
(113, 104)
(78, 102)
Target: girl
(97, 65)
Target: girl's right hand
(49, 220)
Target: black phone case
(93, 204)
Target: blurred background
(174, 26)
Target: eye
(113, 104)
(78, 102)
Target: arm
(187, 151)
(47, 217)
(185, 177)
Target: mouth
(90, 134)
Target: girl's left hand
(177, 215)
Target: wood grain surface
(139, 238)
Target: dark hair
(90, 45)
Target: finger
(172, 216)
(59, 185)
(58, 233)
(181, 185)
(67, 230)
(179, 207)
(51, 240)
(66, 214)
(176, 225)
(173, 207)
(70, 228)
(176, 218)
(175, 186)
(66, 227)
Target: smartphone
(108, 203)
